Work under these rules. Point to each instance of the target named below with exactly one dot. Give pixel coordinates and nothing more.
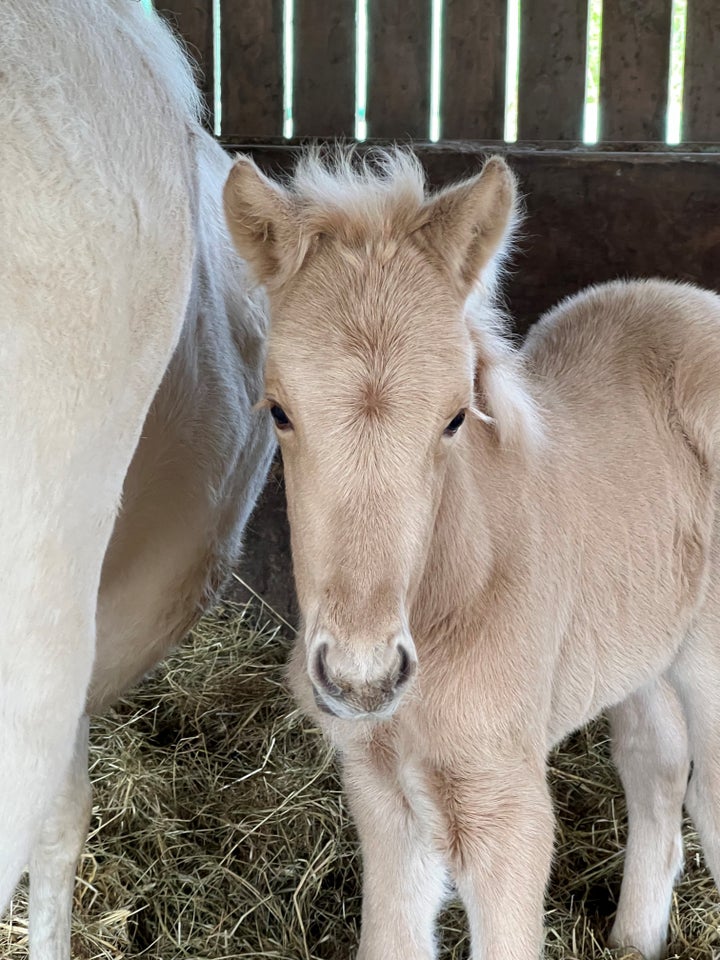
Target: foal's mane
(345, 194)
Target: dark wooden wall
(633, 83)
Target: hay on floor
(219, 829)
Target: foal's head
(372, 371)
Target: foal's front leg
(500, 833)
(404, 879)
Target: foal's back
(628, 376)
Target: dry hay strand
(219, 829)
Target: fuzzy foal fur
(557, 557)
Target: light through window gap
(436, 70)
(361, 69)
(591, 110)
(673, 130)
(288, 66)
(217, 60)
(512, 65)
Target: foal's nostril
(321, 672)
(406, 668)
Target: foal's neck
(481, 522)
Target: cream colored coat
(112, 245)
(490, 545)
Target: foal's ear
(467, 223)
(259, 214)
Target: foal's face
(369, 378)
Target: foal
(490, 546)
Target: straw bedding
(219, 830)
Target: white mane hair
(503, 391)
(345, 193)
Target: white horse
(113, 241)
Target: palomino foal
(490, 546)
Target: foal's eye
(282, 421)
(457, 421)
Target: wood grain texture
(634, 69)
(473, 70)
(193, 20)
(551, 88)
(701, 107)
(398, 102)
(324, 93)
(252, 68)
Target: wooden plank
(634, 69)
(193, 20)
(398, 102)
(551, 88)
(701, 108)
(601, 216)
(324, 94)
(252, 67)
(472, 94)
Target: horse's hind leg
(54, 859)
(650, 751)
(696, 674)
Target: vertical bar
(399, 69)
(701, 102)
(252, 68)
(634, 69)
(551, 90)
(361, 68)
(193, 20)
(324, 101)
(473, 70)
(512, 71)
(591, 118)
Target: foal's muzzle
(361, 685)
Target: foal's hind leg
(696, 674)
(651, 754)
(54, 859)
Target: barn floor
(219, 830)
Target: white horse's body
(112, 238)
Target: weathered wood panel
(398, 97)
(634, 69)
(472, 92)
(590, 217)
(701, 114)
(193, 20)
(551, 87)
(252, 68)
(324, 95)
